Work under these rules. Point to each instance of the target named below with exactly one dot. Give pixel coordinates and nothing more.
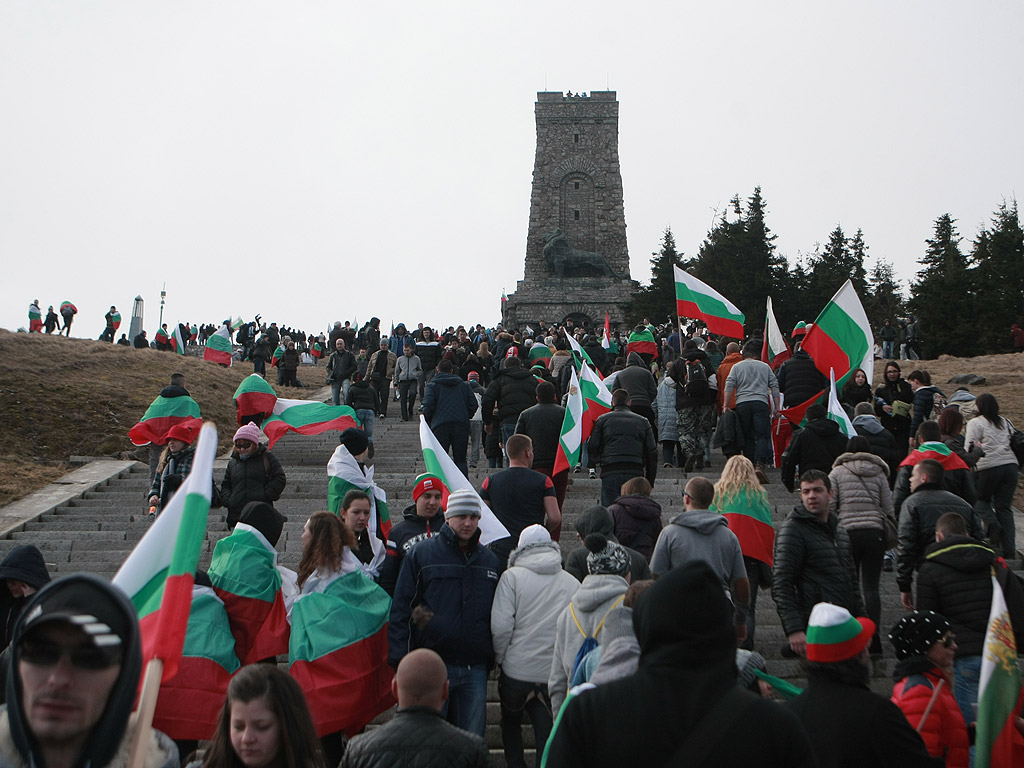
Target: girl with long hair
(996, 473)
(740, 496)
(324, 539)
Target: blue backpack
(589, 641)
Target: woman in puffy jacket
(862, 500)
(253, 474)
(664, 406)
(925, 649)
(996, 477)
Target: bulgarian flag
(575, 346)
(775, 350)
(245, 576)
(278, 354)
(597, 399)
(193, 332)
(440, 465)
(307, 417)
(606, 340)
(317, 350)
(750, 518)
(836, 412)
(190, 701)
(343, 475)
(571, 437)
(162, 336)
(162, 414)
(936, 451)
(841, 336)
(159, 573)
(177, 342)
(254, 396)
(504, 298)
(35, 318)
(539, 351)
(699, 301)
(998, 744)
(115, 320)
(236, 323)
(338, 653)
(642, 342)
(67, 306)
(218, 347)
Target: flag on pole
(997, 743)
(504, 298)
(775, 351)
(570, 440)
(642, 342)
(836, 412)
(278, 354)
(699, 301)
(307, 417)
(159, 573)
(35, 318)
(162, 414)
(254, 397)
(218, 347)
(841, 337)
(343, 475)
(177, 341)
(236, 324)
(597, 399)
(440, 464)
(583, 356)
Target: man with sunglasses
(72, 676)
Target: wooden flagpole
(145, 712)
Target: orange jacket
(944, 732)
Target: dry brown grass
(64, 397)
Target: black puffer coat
(918, 516)
(799, 379)
(637, 379)
(816, 446)
(514, 390)
(362, 396)
(258, 478)
(417, 737)
(812, 565)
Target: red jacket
(944, 732)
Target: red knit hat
(181, 432)
(427, 482)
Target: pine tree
(883, 298)
(657, 301)
(942, 295)
(858, 252)
(998, 273)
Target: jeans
(517, 697)
(466, 707)
(754, 569)
(368, 419)
(888, 350)
(476, 434)
(382, 387)
(339, 391)
(966, 677)
(670, 453)
(611, 484)
(995, 487)
(867, 545)
(455, 436)
(508, 428)
(755, 421)
(407, 397)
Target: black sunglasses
(243, 443)
(40, 653)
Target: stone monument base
(584, 300)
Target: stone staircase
(96, 531)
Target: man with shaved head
(418, 733)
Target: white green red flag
(570, 440)
(775, 351)
(343, 475)
(115, 320)
(841, 337)
(177, 341)
(254, 397)
(317, 350)
(218, 347)
(190, 702)
(67, 306)
(278, 354)
(597, 399)
(236, 323)
(504, 298)
(836, 412)
(162, 337)
(642, 342)
(699, 301)
(997, 743)
(338, 653)
(539, 350)
(575, 347)
(193, 332)
(307, 417)
(162, 414)
(35, 318)
(159, 573)
(440, 465)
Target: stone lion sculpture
(563, 258)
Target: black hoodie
(816, 446)
(24, 563)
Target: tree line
(964, 301)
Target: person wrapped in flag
(357, 512)
(113, 320)
(35, 317)
(420, 520)
(245, 575)
(338, 647)
(67, 313)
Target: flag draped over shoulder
(162, 337)
(159, 573)
(67, 306)
(218, 347)
(115, 320)
(190, 701)
(254, 396)
(841, 337)
(697, 300)
(936, 451)
(307, 417)
(642, 342)
(317, 350)
(570, 440)
(177, 341)
(440, 464)
(998, 744)
(836, 412)
(343, 475)
(278, 354)
(338, 653)
(162, 414)
(35, 318)
(775, 351)
(539, 350)
(751, 521)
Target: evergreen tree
(998, 274)
(858, 251)
(883, 298)
(942, 297)
(657, 301)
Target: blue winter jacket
(447, 399)
(454, 589)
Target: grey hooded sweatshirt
(699, 535)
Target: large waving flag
(575, 347)
(190, 701)
(343, 475)
(440, 464)
(177, 341)
(997, 743)
(162, 414)
(597, 398)
(159, 573)
(836, 412)
(307, 417)
(571, 438)
(254, 396)
(218, 347)
(775, 350)
(841, 337)
(338, 653)
(697, 300)
(642, 342)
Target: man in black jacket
(636, 378)
(815, 446)
(448, 405)
(542, 423)
(513, 390)
(420, 520)
(800, 379)
(418, 733)
(340, 367)
(622, 443)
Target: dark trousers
(648, 413)
(517, 697)
(382, 387)
(755, 421)
(755, 569)
(867, 545)
(407, 397)
(454, 436)
(995, 488)
(612, 482)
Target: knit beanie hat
(182, 432)
(746, 663)
(606, 557)
(914, 634)
(835, 635)
(461, 503)
(473, 376)
(427, 482)
(248, 432)
(534, 534)
(355, 440)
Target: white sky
(315, 161)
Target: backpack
(589, 641)
(938, 403)
(695, 383)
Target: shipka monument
(577, 264)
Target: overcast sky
(315, 161)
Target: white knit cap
(534, 534)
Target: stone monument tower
(577, 265)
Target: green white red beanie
(834, 635)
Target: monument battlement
(549, 97)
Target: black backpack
(695, 383)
